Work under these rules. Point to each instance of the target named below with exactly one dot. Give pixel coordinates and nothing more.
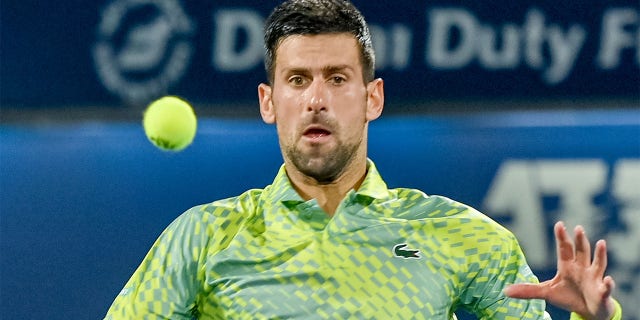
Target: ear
(375, 99)
(266, 104)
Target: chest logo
(400, 252)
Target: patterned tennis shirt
(385, 254)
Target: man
(327, 239)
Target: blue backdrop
(103, 53)
(81, 203)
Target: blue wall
(78, 53)
(81, 203)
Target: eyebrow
(337, 68)
(325, 69)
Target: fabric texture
(385, 254)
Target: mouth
(316, 133)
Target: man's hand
(579, 284)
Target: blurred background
(526, 110)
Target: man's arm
(497, 262)
(579, 284)
(165, 284)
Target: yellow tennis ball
(170, 123)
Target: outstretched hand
(579, 284)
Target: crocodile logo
(400, 252)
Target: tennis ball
(170, 123)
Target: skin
(321, 107)
(579, 284)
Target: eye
(337, 79)
(296, 81)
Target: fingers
(564, 246)
(609, 285)
(580, 254)
(526, 291)
(583, 247)
(600, 259)
(581, 251)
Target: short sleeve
(503, 263)
(165, 284)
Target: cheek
(285, 122)
(352, 122)
(286, 102)
(281, 107)
(354, 108)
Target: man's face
(320, 103)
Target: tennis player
(327, 239)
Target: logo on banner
(143, 47)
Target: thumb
(525, 291)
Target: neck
(328, 195)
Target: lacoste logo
(400, 252)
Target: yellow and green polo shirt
(385, 254)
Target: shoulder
(234, 208)
(447, 214)
(478, 238)
(217, 222)
(471, 220)
(419, 205)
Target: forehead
(318, 51)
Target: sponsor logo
(143, 47)
(400, 252)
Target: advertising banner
(127, 52)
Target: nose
(317, 97)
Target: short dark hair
(313, 17)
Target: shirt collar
(372, 187)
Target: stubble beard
(323, 166)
